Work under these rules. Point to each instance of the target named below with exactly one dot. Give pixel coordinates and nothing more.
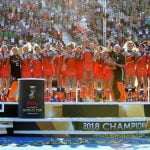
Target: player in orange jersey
(98, 73)
(87, 61)
(79, 73)
(148, 59)
(98, 66)
(26, 63)
(88, 68)
(141, 69)
(69, 66)
(37, 62)
(1, 88)
(130, 67)
(58, 62)
(48, 67)
(108, 75)
(5, 72)
(79, 66)
(147, 51)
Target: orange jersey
(107, 71)
(26, 66)
(48, 66)
(0, 67)
(130, 67)
(79, 67)
(71, 64)
(148, 71)
(88, 60)
(148, 59)
(37, 66)
(5, 68)
(58, 65)
(98, 70)
(141, 68)
(142, 62)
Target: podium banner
(31, 98)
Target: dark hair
(142, 45)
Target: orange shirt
(142, 61)
(148, 59)
(48, 66)
(98, 69)
(79, 66)
(26, 66)
(88, 60)
(37, 65)
(71, 63)
(58, 63)
(107, 71)
(130, 66)
(88, 56)
(5, 65)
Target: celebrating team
(87, 67)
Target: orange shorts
(5, 72)
(37, 74)
(108, 74)
(26, 74)
(148, 72)
(48, 71)
(98, 71)
(141, 72)
(71, 71)
(88, 66)
(130, 70)
(79, 72)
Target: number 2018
(91, 126)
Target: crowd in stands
(125, 19)
(23, 21)
(132, 21)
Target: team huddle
(88, 67)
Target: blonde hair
(4, 46)
(36, 46)
(14, 48)
(71, 44)
(25, 47)
(127, 43)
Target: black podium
(31, 98)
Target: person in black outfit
(15, 64)
(119, 74)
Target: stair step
(3, 131)
(6, 125)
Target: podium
(31, 98)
